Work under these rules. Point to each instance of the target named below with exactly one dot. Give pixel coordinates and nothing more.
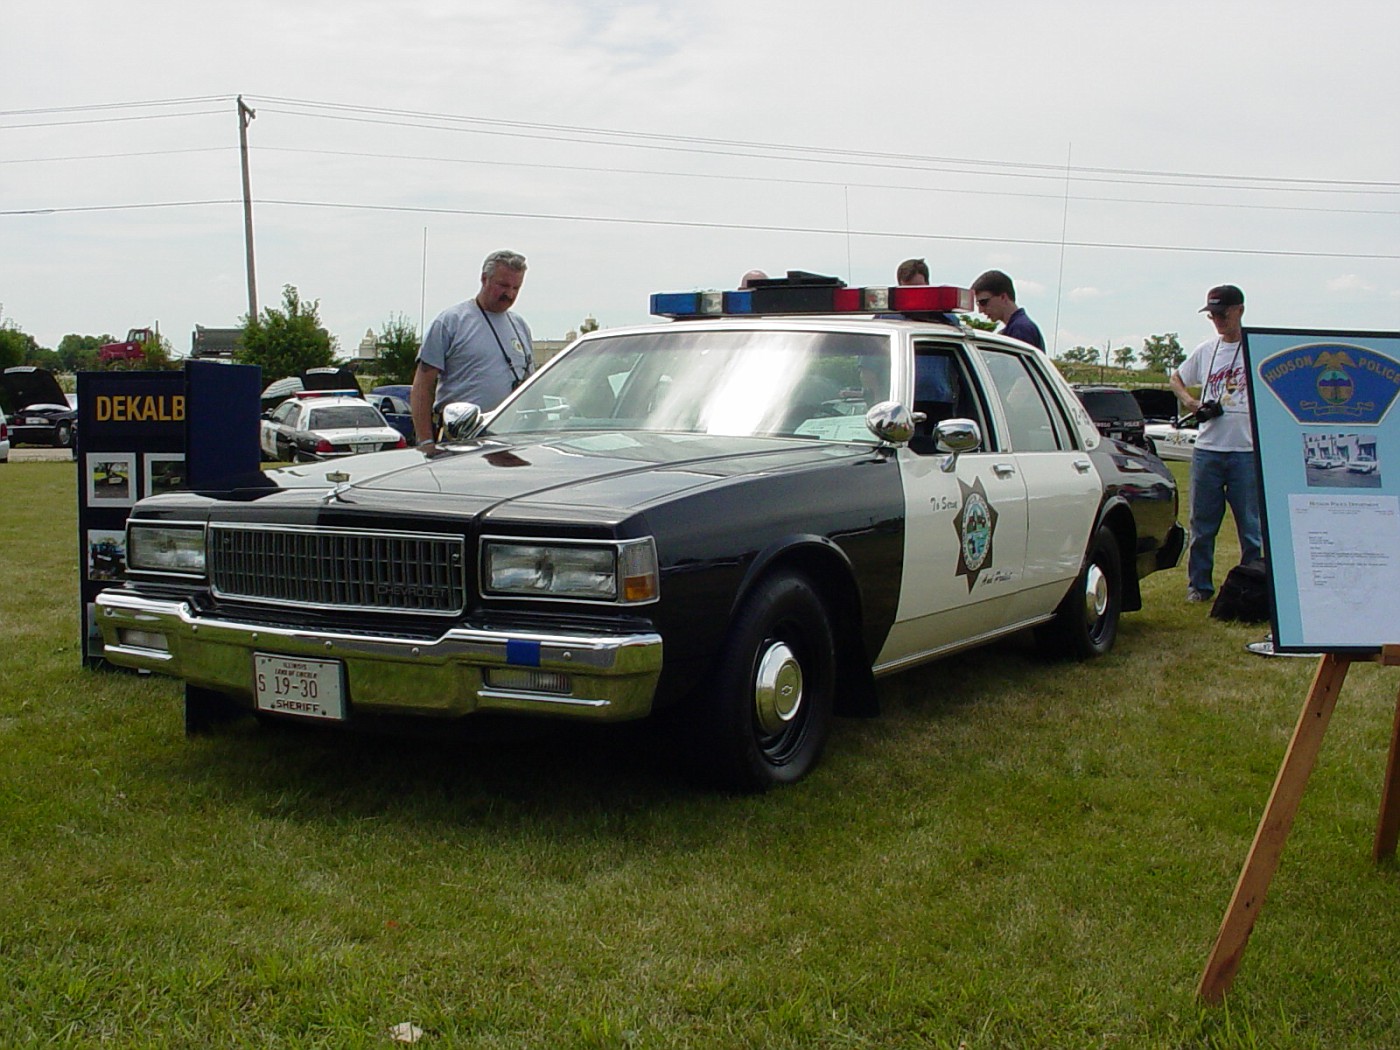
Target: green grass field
(1017, 854)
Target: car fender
(1116, 514)
(831, 571)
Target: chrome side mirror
(956, 436)
(891, 422)
(461, 420)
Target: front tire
(769, 715)
(1086, 623)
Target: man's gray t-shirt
(470, 346)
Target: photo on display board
(1341, 460)
(164, 472)
(106, 554)
(111, 479)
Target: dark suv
(1116, 413)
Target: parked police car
(683, 516)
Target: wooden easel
(1277, 820)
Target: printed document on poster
(1346, 553)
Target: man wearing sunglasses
(1222, 466)
(996, 301)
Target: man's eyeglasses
(1218, 315)
(984, 300)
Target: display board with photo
(1325, 427)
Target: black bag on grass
(1244, 594)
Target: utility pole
(245, 116)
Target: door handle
(1003, 470)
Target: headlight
(166, 548)
(625, 572)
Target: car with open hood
(37, 408)
(683, 518)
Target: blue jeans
(1218, 478)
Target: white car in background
(316, 425)
(1174, 440)
(4, 439)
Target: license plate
(36, 421)
(371, 446)
(287, 685)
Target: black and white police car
(325, 424)
(685, 516)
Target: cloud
(1349, 283)
(1081, 294)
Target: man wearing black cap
(1222, 467)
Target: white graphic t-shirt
(1217, 367)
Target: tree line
(283, 340)
(1159, 354)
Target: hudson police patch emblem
(976, 523)
(1333, 382)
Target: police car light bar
(804, 295)
(347, 392)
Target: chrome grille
(338, 568)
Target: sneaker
(1194, 595)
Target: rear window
(344, 416)
(1110, 404)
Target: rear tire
(1086, 623)
(63, 435)
(769, 714)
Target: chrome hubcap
(1095, 593)
(777, 688)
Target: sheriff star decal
(976, 523)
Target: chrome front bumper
(592, 677)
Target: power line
(746, 227)
(705, 175)
(119, 156)
(734, 147)
(112, 120)
(193, 100)
(833, 157)
(830, 183)
(1056, 171)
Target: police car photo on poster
(1324, 429)
(163, 472)
(106, 554)
(111, 479)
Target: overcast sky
(1116, 159)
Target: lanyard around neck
(514, 375)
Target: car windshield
(337, 416)
(801, 384)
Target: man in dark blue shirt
(996, 300)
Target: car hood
(28, 385)
(595, 477)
